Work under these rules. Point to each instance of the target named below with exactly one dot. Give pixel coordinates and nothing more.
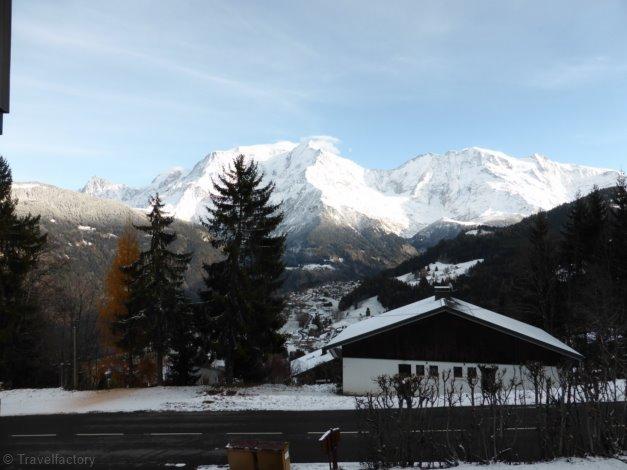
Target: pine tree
(184, 350)
(618, 234)
(21, 244)
(618, 255)
(114, 337)
(573, 247)
(157, 303)
(540, 283)
(595, 224)
(242, 313)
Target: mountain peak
(473, 185)
(96, 183)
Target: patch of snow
(53, 221)
(86, 228)
(190, 398)
(558, 464)
(439, 272)
(360, 312)
(45, 401)
(478, 232)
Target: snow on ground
(369, 307)
(193, 398)
(439, 272)
(478, 232)
(559, 464)
(86, 228)
(204, 398)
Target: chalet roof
(309, 361)
(430, 306)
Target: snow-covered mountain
(472, 185)
(338, 210)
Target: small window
(457, 372)
(420, 370)
(433, 371)
(472, 372)
(404, 369)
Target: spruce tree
(574, 236)
(21, 244)
(595, 224)
(184, 349)
(618, 255)
(242, 309)
(157, 302)
(540, 283)
(618, 234)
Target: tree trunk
(130, 371)
(229, 367)
(159, 366)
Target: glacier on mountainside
(472, 186)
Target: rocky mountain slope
(339, 212)
(83, 230)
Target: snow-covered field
(439, 272)
(560, 464)
(203, 398)
(196, 398)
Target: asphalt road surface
(152, 440)
(159, 439)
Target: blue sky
(127, 89)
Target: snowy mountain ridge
(472, 185)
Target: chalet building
(441, 334)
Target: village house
(444, 334)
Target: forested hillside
(563, 270)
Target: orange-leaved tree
(118, 356)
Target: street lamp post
(74, 356)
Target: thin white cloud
(325, 142)
(576, 73)
(81, 41)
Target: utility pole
(75, 371)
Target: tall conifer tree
(242, 309)
(157, 302)
(541, 281)
(573, 248)
(21, 244)
(618, 234)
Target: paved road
(151, 440)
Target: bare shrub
(426, 421)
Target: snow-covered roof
(309, 361)
(426, 307)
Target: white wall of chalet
(359, 375)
